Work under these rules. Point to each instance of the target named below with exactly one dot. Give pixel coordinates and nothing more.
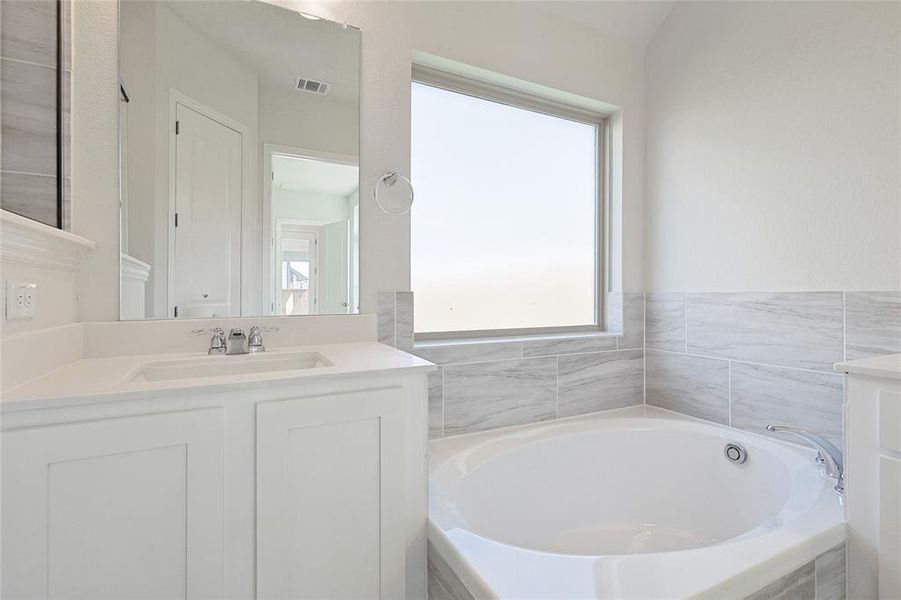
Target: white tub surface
(636, 503)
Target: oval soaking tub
(623, 506)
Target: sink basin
(219, 366)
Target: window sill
(539, 337)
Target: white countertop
(95, 380)
(888, 366)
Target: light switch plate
(21, 299)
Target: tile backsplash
(495, 383)
(743, 359)
(747, 359)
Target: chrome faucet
(217, 341)
(829, 455)
(236, 343)
(255, 339)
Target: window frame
(515, 98)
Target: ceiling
(279, 44)
(304, 175)
(632, 21)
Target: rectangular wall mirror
(239, 151)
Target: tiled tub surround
(497, 383)
(746, 359)
(820, 579)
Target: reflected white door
(335, 268)
(207, 222)
(298, 270)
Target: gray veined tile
(872, 324)
(568, 345)
(28, 117)
(665, 321)
(403, 326)
(792, 329)
(800, 584)
(443, 581)
(687, 384)
(762, 395)
(436, 404)
(385, 307)
(29, 31)
(831, 574)
(31, 196)
(633, 321)
(592, 382)
(496, 394)
(446, 353)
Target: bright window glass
(505, 221)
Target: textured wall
(773, 147)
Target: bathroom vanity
(297, 472)
(873, 448)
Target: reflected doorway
(313, 218)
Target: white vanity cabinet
(873, 476)
(305, 487)
(330, 496)
(114, 508)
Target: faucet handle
(216, 330)
(217, 341)
(259, 328)
(255, 338)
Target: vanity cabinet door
(119, 508)
(330, 496)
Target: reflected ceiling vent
(309, 85)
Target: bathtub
(637, 503)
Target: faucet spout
(829, 455)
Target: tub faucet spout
(829, 455)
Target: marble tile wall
(496, 383)
(28, 107)
(740, 359)
(749, 359)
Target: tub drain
(735, 453)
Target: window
(506, 228)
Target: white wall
(95, 149)
(773, 147)
(299, 120)
(309, 206)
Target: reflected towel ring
(389, 179)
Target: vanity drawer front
(330, 496)
(127, 507)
